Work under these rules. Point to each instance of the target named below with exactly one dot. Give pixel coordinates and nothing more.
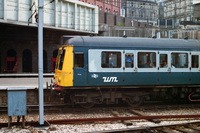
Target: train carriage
(93, 70)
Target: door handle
(135, 70)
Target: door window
(79, 60)
(163, 61)
(195, 61)
(129, 60)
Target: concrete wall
(60, 14)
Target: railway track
(185, 127)
(115, 116)
(128, 118)
(189, 127)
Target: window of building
(163, 61)
(79, 60)
(146, 59)
(132, 14)
(179, 60)
(154, 16)
(129, 60)
(132, 4)
(141, 14)
(195, 61)
(110, 59)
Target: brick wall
(115, 20)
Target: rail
(92, 120)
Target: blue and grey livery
(127, 68)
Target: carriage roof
(118, 42)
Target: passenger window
(62, 55)
(110, 59)
(195, 61)
(146, 59)
(79, 60)
(129, 60)
(163, 61)
(179, 60)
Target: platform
(29, 81)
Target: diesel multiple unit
(94, 70)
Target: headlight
(59, 79)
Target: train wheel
(87, 105)
(134, 101)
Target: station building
(19, 31)
(108, 6)
(145, 11)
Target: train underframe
(132, 95)
(88, 97)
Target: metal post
(40, 61)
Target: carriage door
(80, 69)
(164, 67)
(194, 68)
(129, 67)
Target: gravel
(92, 127)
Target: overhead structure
(40, 61)
(71, 15)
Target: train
(111, 70)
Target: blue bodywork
(82, 77)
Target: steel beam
(40, 61)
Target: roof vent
(186, 37)
(154, 37)
(124, 36)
